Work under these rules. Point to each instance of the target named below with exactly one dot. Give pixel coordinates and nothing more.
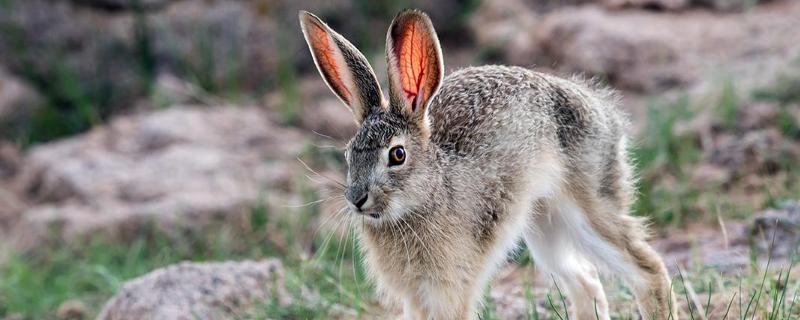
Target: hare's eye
(397, 155)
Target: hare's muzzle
(360, 199)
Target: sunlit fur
(501, 155)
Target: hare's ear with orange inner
(346, 71)
(414, 60)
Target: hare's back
(513, 110)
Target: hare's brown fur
(497, 155)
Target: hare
(449, 174)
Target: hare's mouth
(375, 215)
(371, 213)
(372, 218)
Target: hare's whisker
(326, 137)
(310, 203)
(319, 174)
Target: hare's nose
(361, 201)
(357, 197)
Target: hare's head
(389, 159)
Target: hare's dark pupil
(397, 155)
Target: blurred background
(192, 146)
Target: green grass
(287, 84)
(786, 90)
(659, 153)
(727, 104)
(786, 93)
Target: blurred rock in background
(186, 166)
(199, 291)
(629, 55)
(18, 101)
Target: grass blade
(686, 294)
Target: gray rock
(630, 55)
(756, 152)
(217, 290)
(178, 167)
(10, 203)
(17, 102)
(10, 159)
(506, 26)
(777, 231)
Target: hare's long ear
(344, 68)
(414, 59)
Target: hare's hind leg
(651, 282)
(557, 254)
(618, 242)
(641, 267)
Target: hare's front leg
(454, 301)
(412, 311)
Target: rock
(781, 224)
(214, 290)
(709, 176)
(702, 244)
(10, 159)
(182, 166)
(592, 41)
(10, 203)
(10, 208)
(753, 152)
(649, 51)
(506, 26)
(17, 102)
(732, 251)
